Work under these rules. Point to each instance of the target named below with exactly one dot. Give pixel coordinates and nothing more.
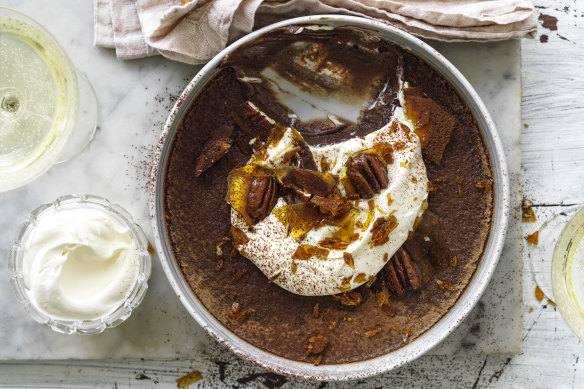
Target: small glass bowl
(84, 327)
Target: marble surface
(552, 174)
(135, 98)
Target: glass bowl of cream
(79, 264)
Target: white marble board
(135, 98)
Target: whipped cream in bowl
(327, 258)
(80, 264)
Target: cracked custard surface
(388, 310)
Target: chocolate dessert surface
(425, 277)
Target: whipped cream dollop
(80, 264)
(271, 249)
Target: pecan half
(262, 196)
(401, 273)
(434, 126)
(308, 181)
(368, 175)
(253, 121)
(214, 149)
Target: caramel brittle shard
(373, 332)
(528, 216)
(329, 319)
(384, 303)
(239, 237)
(306, 251)
(332, 205)
(349, 298)
(533, 238)
(381, 230)
(189, 379)
(445, 285)
(538, 294)
(438, 184)
(348, 258)
(484, 185)
(345, 285)
(239, 314)
(381, 299)
(214, 149)
(407, 333)
(316, 345)
(371, 280)
(359, 278)
(433, 124)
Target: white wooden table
(552, 176)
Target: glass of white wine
(568, 274)
(48, 113)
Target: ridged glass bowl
(23, 292)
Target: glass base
(86, 123)
(540, 256)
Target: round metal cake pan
(451, 319)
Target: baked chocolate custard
(328, 195)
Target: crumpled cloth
(193, 31)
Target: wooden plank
(553, 107)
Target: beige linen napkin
(193, 31)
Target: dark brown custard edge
(198, 218)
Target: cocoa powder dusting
(197, 216)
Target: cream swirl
(271, 249)
(80, 264)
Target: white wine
(568, 274)
(38, 99)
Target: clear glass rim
(91, 326)
(570, 310)
(46, 159)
